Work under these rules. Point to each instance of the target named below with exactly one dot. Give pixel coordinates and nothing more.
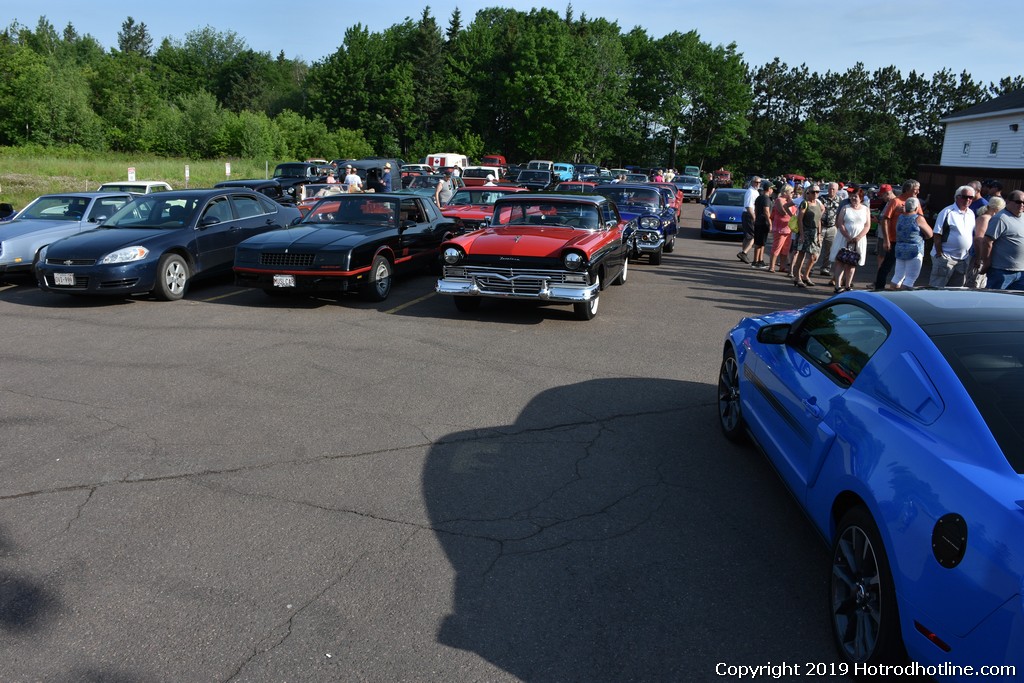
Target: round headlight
(573, 261)
(649, 222)
(452, 256)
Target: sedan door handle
(811, 406)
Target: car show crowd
(977, 241)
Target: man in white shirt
(954, 237)
(749, 197)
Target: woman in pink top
(782, 210)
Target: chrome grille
(270, 258)
(70, 261)
(523, 281)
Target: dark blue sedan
(723, 214)
(895, 420)
(158, 243)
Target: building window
(993, 147)
(967, 149)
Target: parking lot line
(224, 296)
(396, 309)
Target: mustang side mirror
(774, 334)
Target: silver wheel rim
(856, 593)
(382, 278)
(729, 394)
(175, 275)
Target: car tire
(623, 274)
(587, 310)
(730, 415)
(656, 258)
(379, 286)
(466, 304)
(862, 597)
(172, 277)
(670, 246)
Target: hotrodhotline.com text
(813, 669)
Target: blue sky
(924, 35)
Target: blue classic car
(159, 242)
(723, 214)
(647, 207)
(52, 217)
(346, 243)
(895, 420)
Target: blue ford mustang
(896, 421)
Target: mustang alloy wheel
(865, 619)
(379, 286)
(586, 310)
(172, 277)
(729, 414)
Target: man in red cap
(887, 219)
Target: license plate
(284, 280)
(731, 226)
(64, 279)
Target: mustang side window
(840, 340)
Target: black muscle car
(346, 243)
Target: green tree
(134, 39)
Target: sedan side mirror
(207, 221)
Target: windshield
(546, 213)
(631, 195)
(56, 209)
(154, 211)
(468, 197)
(688, 180)
(290, 171)
(534, 176)
(354, 210)
(720, 198)
(422, 181)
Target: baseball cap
(884, 187)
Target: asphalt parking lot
(234, 487)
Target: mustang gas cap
(949, 540)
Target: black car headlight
(452, 256)
(649, 222)
(573, 260)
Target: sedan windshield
(354, 209)
(548, 214)
(154, 211)
(645, 196)
(56, 209)
(424, 181)
(727, 198)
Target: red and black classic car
(542, 247)
(346, 243)
(471, 207)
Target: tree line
(531, 84)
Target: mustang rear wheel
(587, 310)
(379, 286)
(172, 277)
(730, 416)
(862, 598)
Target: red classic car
(471, 207)
(542, 247)
(677, 197)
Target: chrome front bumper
(512, 285)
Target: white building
(989, 135)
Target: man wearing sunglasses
(1002, 259)
(954, 237)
